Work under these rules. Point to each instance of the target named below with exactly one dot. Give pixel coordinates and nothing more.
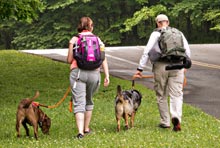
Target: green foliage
(25, 10)
(13, 11)
(142, 15)
(110, 37)
(117, 22)
(52, 32)
(23, 74)
(198, 11)
(195, 15)
(142, 1)
(40, 38)
(61, 4)
(213, 16)
(191, 9)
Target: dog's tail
(27, 104)
(119, 93)
(35, 96)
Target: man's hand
(138, 74)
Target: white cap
(161, 17)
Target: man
(167, 82)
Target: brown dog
(126, 105)
(33, 115)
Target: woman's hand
(106, 81)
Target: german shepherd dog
(126, 105)
(29, 113)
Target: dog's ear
(48, 121)
(119, 90)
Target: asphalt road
(203, 79)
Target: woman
(84, 83)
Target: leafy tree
(50, 31)
(201, 17)
(117, 22)
(213, 16)
(199, 20)
(144, 14)
(25, 10)
(18, 10)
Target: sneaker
(79, 136)
(88, 132)
(176, 124)
(163, 126)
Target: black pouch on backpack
(186, 64)
(154, 56)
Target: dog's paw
(126, 127)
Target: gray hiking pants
(84, 83)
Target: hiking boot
(163, 126)
(176, 124)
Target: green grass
(22, 74)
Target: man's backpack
(171, 45)
(87, 52)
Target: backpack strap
(160, 29)
(75, 45)
(157, 29)
(77, 35)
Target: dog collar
(36, 104)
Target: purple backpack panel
(87, 52)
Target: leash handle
(142, 76)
